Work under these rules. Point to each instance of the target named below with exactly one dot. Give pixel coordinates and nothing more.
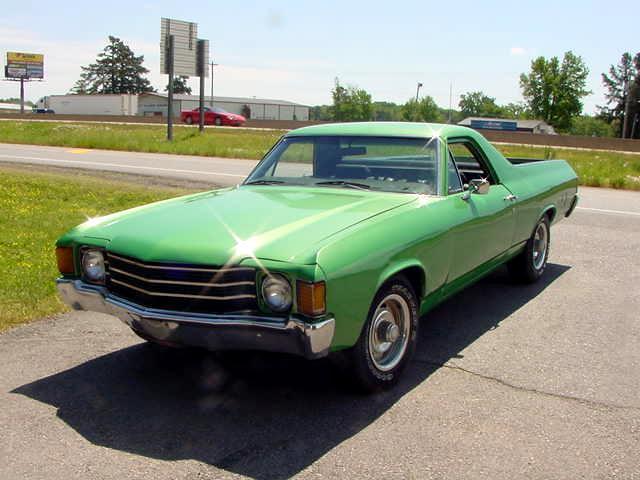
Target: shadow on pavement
(260, 415)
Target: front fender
(395, 268)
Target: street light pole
(418, 91)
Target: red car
(212, 116)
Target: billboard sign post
(202, 70)
(182, 54)
(24, 67)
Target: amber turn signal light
(65, 259)
(311, 298)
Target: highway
(228, 171)
(219, 171)
(508, 381)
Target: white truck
(109, 104)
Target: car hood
(268, 222)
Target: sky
(293, 50)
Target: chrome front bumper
(214, 332)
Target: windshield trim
(437, 147)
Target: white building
(508, 124)
(150, 104)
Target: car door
(483, 223)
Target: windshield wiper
(263, 182)
(344, 183)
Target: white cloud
(517, 51)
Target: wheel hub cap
(540, 245)
(389, 333)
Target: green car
(338, 241)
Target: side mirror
(477, 185)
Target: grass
(595, 168)
(216, 142)
(36, 209)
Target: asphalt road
(219, 171)
(508, 382)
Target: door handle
(511, 198)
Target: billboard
(494, 124)
(185, 38)
(24, 65)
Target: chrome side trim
(177, 282)
(181, 295)
(170, 267)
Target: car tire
(531, 263)
(388, 339)
(188, 120)
(218, 121)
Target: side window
(469, 162)
(455, 184)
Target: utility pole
(450, 99)
(627, 107)
(212, 65)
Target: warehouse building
(529, 126)
(151, 104)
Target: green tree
(350, 104)
(180, 85)
(591, 127)
(622, 83)
(116, 70)
(386, 111)
(477, 104)
(424, 110)
(515, 111)
(554, 90)
(320, 112)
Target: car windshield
(365, 162)
(218, 110)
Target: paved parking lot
(508, 382)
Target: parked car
(213, 116)
(338, 241)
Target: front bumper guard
(214, 332)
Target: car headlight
(93, 265)
(276, 292)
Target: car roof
(385, 129)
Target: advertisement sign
(185, 35)
(494, 124)
(24, 65)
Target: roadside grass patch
(36, 208)
(594, 168)
(215, 142)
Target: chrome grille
(182, 287)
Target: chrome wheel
(540, 245)
(389, 332)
